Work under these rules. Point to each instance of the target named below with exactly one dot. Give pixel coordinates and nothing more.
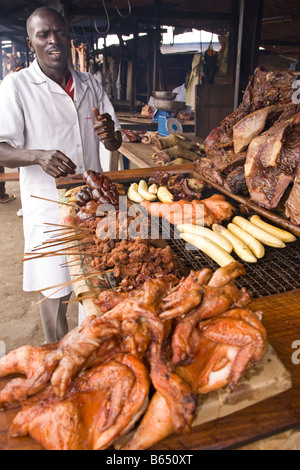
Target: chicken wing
(99, 407)
(27, 360)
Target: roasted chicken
(181, 338)
(102, 404)
(223, 348)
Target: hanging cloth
(194, 80)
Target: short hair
(40, 11)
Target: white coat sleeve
(11, 114)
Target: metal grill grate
(277, 272)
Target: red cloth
(70, 87)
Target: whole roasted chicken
(180, 338)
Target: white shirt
(36, 113)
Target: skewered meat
(84, 196)
(103, 189)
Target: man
(47, 129)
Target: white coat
(36, 113)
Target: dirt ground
(19, 315)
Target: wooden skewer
(79, 299)
(57, 202)
(70, 205)
(71, 227)
(64, 284)
(60, 243)
(82, 278)
(68, 265)
(59, 253)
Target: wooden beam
(150, 14)
(279, 42)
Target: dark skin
(49, 39)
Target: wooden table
(140, 154)
(138, 122)
(279, 413)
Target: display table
(140, 154)
(274, 415)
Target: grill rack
(277, 272)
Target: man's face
(49, 39)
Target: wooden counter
(138, 122)
(279, 413)
(140, 154)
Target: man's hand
(104, 126)
(55, 163)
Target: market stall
(187, 269)
(263, 393)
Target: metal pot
(164, 95)
(168, 105)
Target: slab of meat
(249, 127)
(292, 205)
(267, 100)
(272, 162)
(235, 181)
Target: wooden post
(233, 40)
(150, 62)
(250, 21)
(134, 72)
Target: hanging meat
(82, 51)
